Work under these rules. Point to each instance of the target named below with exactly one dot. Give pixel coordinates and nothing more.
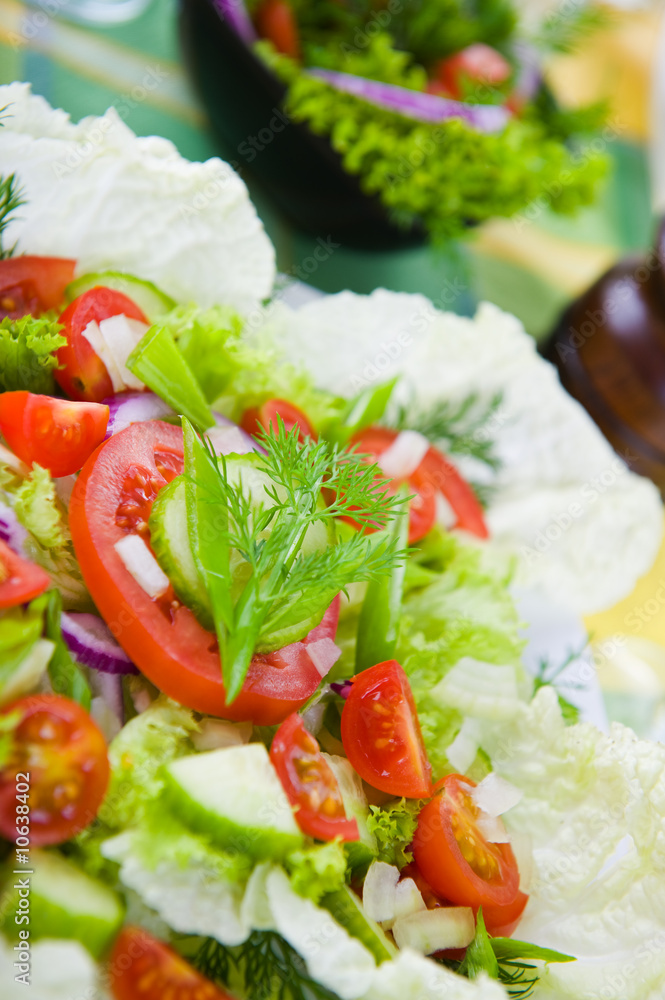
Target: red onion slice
(342, 688)
(235, 12)
(11, 530)
(91, 643)
(133, 408)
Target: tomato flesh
(502, 921)
(20, 580)
(32, 285)
(63, 751)
(82, 373)
(276, 21)
(309, 783)
(381, 733)
(56, 433)
(113, 496)
(263, 418)
(143, 968)
(454, 857)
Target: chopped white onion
(379, 891)
(231, 440)
(93, 335)
(462, 751)
(492, 828)
(121, 335)
(323, 653)
(408, 898)
(495, 796)
(140, 563)
(436, 930)
(9, 459)
(215, 734)
(404, 455)
(445, 515)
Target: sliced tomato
(82, 374)
(56, 433)
(20, 580)
(437, 475)
(143, 968)
(309, 783)
(113, 495)
(457, 75)
(276, 21)
(264, 417)
(33, 285)
(502, 921)
(373, 441)
(60, 748)
(454, 857)
(381, 733)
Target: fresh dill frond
(11, 198)
(459, 428)
(568, 25)
(548, 674)
(517, 978)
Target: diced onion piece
(493, 829)
(93, 335)
(404, 455)
(445, 515)
(140, 563)
(215, 734)
(9, 459)
(121, 335)
(408, 899)
(462, 751)
(324, 654)
(379, 891)
(495, 796)
(133, 408)
(436, 930)
(231, 440)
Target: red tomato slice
(113, 495)
(33, 285)
(56, 433)
(381, 733)
(477, 64)
(422, 508)
(20, 580)
(437, 475)
(276, 21)
(264, 417)
(83, 374)
(63, 751)
(454, 857)
(309, 783)
(143, 968)
(501, 921)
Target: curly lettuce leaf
(315, 871)
(393, 826)
(27, 354)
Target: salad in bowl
(265, 726)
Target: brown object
(609, 347)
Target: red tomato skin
(478, 64)
(141, 967)
(82, 375)
(263, 417)
(31, 285)
(311, 821)
(400, 767)
(276, 21)
(176, 653)
(440, 859)
(440, 475)
(84, 752)
(502, 921)
(23, 580)
(56, 433)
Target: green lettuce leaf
(27, 354)
(314, 871)
(393, 826)
(24, 654)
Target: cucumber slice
(27, 675)
(235, 798)
(348, 911)
(150, 299)
(64, 902)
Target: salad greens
(27, 354)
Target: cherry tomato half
(33, 285)
(143, 968)
(453, 855)
(437, 475)
(20, 580)
(63, 751)
(478, 64)
(381, 733)
(112, 497)
(56, 433)
(309, 783)
(276, 21)
(502, 921)
(264, 417)
(82, 374)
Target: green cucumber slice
(64, 902)
(234, 797)
(147, 296)
(348, 911)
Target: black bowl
(299, 170)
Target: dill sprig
(11, 198)
(548, 674)
(459, 428)
(519, 978)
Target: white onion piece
(324, 654)
(215, 734)
(140, 563)
(495, 796)
(231, 440)
(121, 335)
(493, 829)
(445, 515)
(93, 335)
(379, 891)
(408, 898)
(436, 930)
(9, 459)
(404, 455)
(133, 408)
